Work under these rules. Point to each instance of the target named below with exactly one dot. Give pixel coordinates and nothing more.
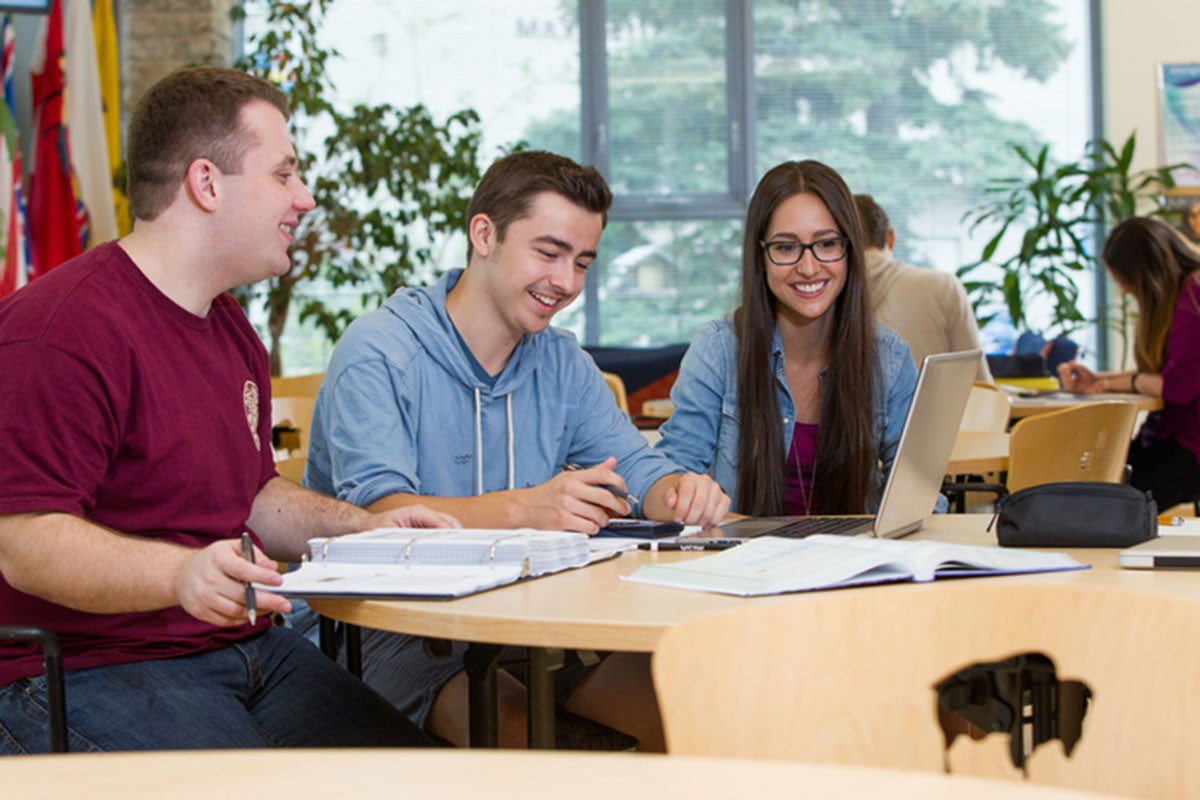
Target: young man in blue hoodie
(461, 397)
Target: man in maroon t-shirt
(135, 421)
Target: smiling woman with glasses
(794, 400)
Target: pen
(1167, 519)
(248, 552)
(571, 466)
(698, 544)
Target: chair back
(849, 677)
(617, 386)
(988, 409)
(292, 468)
(292, 402)
(292, 416)
(1088, 442)
(297, 385)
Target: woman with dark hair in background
(1151, 261)
(792, 402)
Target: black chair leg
(55, 683)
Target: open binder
(429, 563)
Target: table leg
(480, 664)
(540, 696)
(354, 650)
(327, 632)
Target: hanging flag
(85, 123)
(108, 60)
(57, 223)
(13, 244)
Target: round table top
(592, 608)
(495, 775)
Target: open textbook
(774, 565)
(430, 563)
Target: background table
(1041, 404)
(978, 452)
(428, 774)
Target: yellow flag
(105, 30)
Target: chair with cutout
(876, 676)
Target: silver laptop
(913, 484)
(1162, 552)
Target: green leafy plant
(1058, 213)
(389, 183)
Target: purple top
(1180, 416)
(801, 469)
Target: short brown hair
(192, 113)
(875, 222)
(508, 187)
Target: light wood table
(1041, 404)
(593, 609)
(977, 452)
(441, 774)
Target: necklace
(805, 496)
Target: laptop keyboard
(807, 526)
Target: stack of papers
(430, 563)
(539, 551)
(773, 565)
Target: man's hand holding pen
(214, 581)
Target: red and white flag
(57, 220)
(14, 271)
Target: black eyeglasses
(786, 253)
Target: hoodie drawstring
(512, 481)
(512, 471)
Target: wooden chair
(618, 389)
(292, 401)
(1089, 442)
(292, 468)
(850, 678)
(988, 409)
(297, 386)
(291, 420)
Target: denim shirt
(702, 433)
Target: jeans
(275, 690)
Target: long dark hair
(1152, 260)
(845, 446)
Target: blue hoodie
(402, 412)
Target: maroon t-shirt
(1180, 416)
(119, 406)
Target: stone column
(158, 36)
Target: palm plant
(1059, 212)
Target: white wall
(1136, 36)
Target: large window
(683, 104)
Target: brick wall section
(158, 36)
